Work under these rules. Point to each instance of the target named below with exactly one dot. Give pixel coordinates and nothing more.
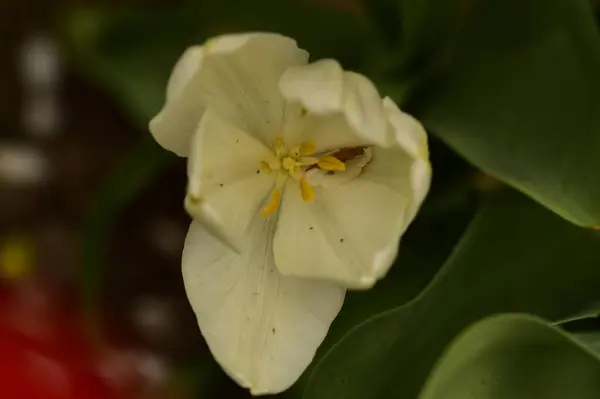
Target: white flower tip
(367, 282)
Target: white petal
(225, 184)
(408, 132)
(345, 109)
(184, 70)
(237, 74)
(350, 232)
(261, 327)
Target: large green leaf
(428, 26)
(132, 52)
(516, 357)
(515, 257)
(591, 340)
(521, 100)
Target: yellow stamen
(273, 205)
(279, 147)
(288, 164)
(331, 163)
(308, 192)
(308, 147)
(308, 161)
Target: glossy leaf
(591, 339)
(517, 357)
(520, 100)
(515, 257)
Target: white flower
(301, 182)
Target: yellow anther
(308, 147)
(308, 161)
(308, 192)
(273, 204)
(279, 147)
(331, 163)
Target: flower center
(294, 163)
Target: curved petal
(237, 74)
(410, 135)
(225, 184)
(408, 132)
(183, 72)
(261, 327)
(344, 108)
(350, 232)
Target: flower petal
(238, 74)
(225, 184)
(345, 109)
(408, 132)
(410, 135)
(261, 327)
(184, 70)
(350, 232)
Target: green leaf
(520, 100)
(124, 183)
(591, 339)
(516, 357)
(515, 257)
(132, 52)
(196, 380)
(428, 27)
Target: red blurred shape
(43, 354)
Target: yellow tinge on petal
(264, 165)
(331, 163)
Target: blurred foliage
(520, 100)
(129, 178)
(591, 340)
(132, 52)
(518, 357)
(512, 86)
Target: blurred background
(92, 226)
(91, 219)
